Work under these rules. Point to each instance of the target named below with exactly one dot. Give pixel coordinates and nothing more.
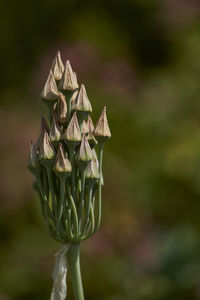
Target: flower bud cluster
(67, 170)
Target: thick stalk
(73, 257)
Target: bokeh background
(142, 60)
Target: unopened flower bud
(46, 149)
(92, 172)
(43, 128)
(82, 103)
(72, 133)
(55, 131)
(50, 91)
(33, 159)
(62, 109)
(90, 125)
(57, 67)
(102, 130)
(84, 128)
(68, 82)
(62, 165)
(85, 152)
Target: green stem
(61, 204)
(54, 204)
(80, 208)
(99, 189)
(73, 182)
(73, 256)
(75, 216)
(87, 211)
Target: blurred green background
(142, 60)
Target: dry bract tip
(82, 103)
(55, 131)
(68, 80)
(46, 149)
(73, 132)
(62, 164)
(102, 128)
(50, 91)
(57, 66)
(85, 152)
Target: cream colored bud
(50, 91)
(85, 152)
(68, 80)
(57, 66)
(84, 128)
(102, 130)
(82, 103)
(73, 133)
(46, 149)
(90, 125)
(55, 131)
(62, 164)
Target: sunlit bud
(68, 80)
(57, 67)
(73, 133)
(84, 128)
(55, 131)
(90, 124)
(33, 159)
(85, 152)
(61, 109)
(82, 103)
(92, 170)
(43, 128)
(62, 164)
(46, 149)
(50, 91)
(102, 130)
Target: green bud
(82, 103)
(61, 109)
(62, 165)
(72, 133)
(46, 149)
(50, 91)
(68, 80)
(85, 152)
(102, 130)
(57, 67)
(55, 131)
